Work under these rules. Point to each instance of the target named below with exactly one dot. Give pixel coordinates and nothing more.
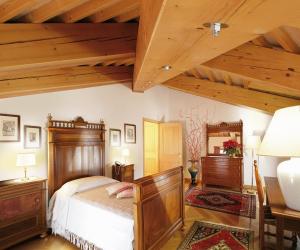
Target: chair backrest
(259, 186)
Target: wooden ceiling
(52, 45)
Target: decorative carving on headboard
(78, 122)
(76, 149)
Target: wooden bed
(76, 149)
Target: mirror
(219, 133)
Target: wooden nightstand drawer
(22, 210)
(20, 206)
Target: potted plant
(231, 147)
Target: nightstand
(22, 210)
(123, 173)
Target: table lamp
(282, 139)
(253, 143)
(125, 153)
(25, 160)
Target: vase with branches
(195, 126)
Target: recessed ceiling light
(166, 67)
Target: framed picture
(9, 128)
(129, 133)
(32, 136)
(115, 137)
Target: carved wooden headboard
(75, 149)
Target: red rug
(210, 236)
(228, 202)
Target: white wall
(254, 122)
(117, 104)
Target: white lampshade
(125, 152)
(283, 135)
(25, 160)
(253, 142)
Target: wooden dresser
(222, 171)
(123, 173)
(22, 210)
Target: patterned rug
(203, 235)
(228, 202)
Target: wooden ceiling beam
(230, 94)
(50, 10)
(132, 14)
(86, 9)
(63, 79)
(285, 41)
(171, 32)
(56, 45)
(273, 67)
(114, 10)
(10, 9)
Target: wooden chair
(265, 214)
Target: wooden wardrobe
(218, 169)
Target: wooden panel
(12, 8)
(75, 149)
(271, 66)
(158, 208)
(230, 94)
(170, 145)
(151, 148)
(222, 171)
(50, 9)
(114, 10)
(86, 9)
(176, 28)
(128, 15)
(27, 83)
(56, 45)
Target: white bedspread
(104, 221)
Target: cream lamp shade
(25, 160)
(283, 135)
(282, 139)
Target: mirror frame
(224, 127)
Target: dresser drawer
(20, 205)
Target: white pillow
(82, 184)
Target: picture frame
(115, 137)
(129, 133)
(10, 128)
(32, 136)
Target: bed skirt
(80, 242)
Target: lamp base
(288, 173)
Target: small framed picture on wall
(9, 128)
(129, 133)
(32, 136)
(115, 137)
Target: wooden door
(170, 145)
(151, 153)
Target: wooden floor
(192, 214)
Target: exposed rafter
(171, 32)
(63, 79)
(56, 45)
(269, 66)
(50, 9)
(230, 94)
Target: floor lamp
(253, 143)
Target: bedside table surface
(20, 181)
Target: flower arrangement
(231, 147)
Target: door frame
(153, 121)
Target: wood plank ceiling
(52, 45)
